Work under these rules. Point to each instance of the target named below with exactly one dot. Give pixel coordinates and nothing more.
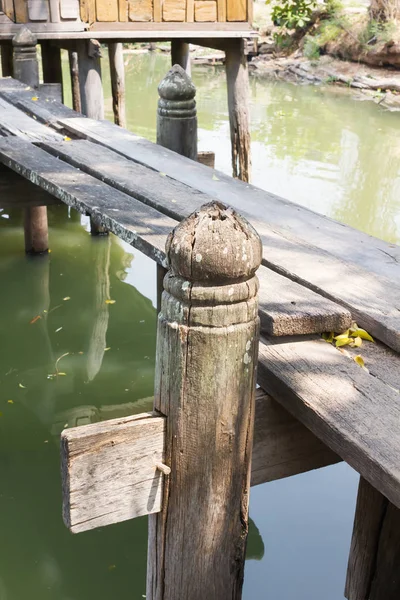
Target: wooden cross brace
(112, 471)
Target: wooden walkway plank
(15, 123)
(329, 235)
(373, 300)
(352, 412)
(286, 308)
(134, 222)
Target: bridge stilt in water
(117, 75)
(180, 55)
(36, 230)
(237, 77)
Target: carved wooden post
(207, 349)
(176, 115)
(25, 67)
(180, 55)
(25, 64)
(117, 74)
(238, 104)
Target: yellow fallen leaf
(362, 334)
(163, 174)
(34, 98)
(328, 337)
(80, 352)
(67, 139)
(110, 301)
(107, 349)
(21, 386)
(360, 361)
(10, 401)
(357, 342)
(61, 374)
(343, 341)
(342, 336)
(66, 298)
(215, 178)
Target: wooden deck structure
(82, 26)
(315, 405)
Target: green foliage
(376, 32)
(311, 48)
(292, 14)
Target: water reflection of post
(97, 342)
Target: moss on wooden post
(207, 349)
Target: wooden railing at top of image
(123, 11)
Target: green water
(318, 148)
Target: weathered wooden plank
(370, 512)
(236, 10)
(14, 122)
(8, 7)
(134, 222)
(38, 10)
(174, 10)
(17, 192)
(221, 9)
(123, 7)
(302, 223)
(69, 9)
(352, 412)
(21, 11)
(109, 471)
(140, 10)
(282, 446)
(372, 299)
(286, 307)
(107, 10)
(157, 16)
(205, 10)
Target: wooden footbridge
(188, 463)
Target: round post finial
(214, 244)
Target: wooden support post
(373, 569)
(91, 89)
(91, 92)
(237, 76)
(74, 73)
(51, 62)
(36, 230)
(207, 349)
(176, 114)
(25, 64)
(6, 59)
(117, 73)
(180, 55)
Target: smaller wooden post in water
(25, 64)
(36, 230)
(207, 349)
(180, 55)
(117, 73)
(176, 114)
(74, 73)
(237, 76)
